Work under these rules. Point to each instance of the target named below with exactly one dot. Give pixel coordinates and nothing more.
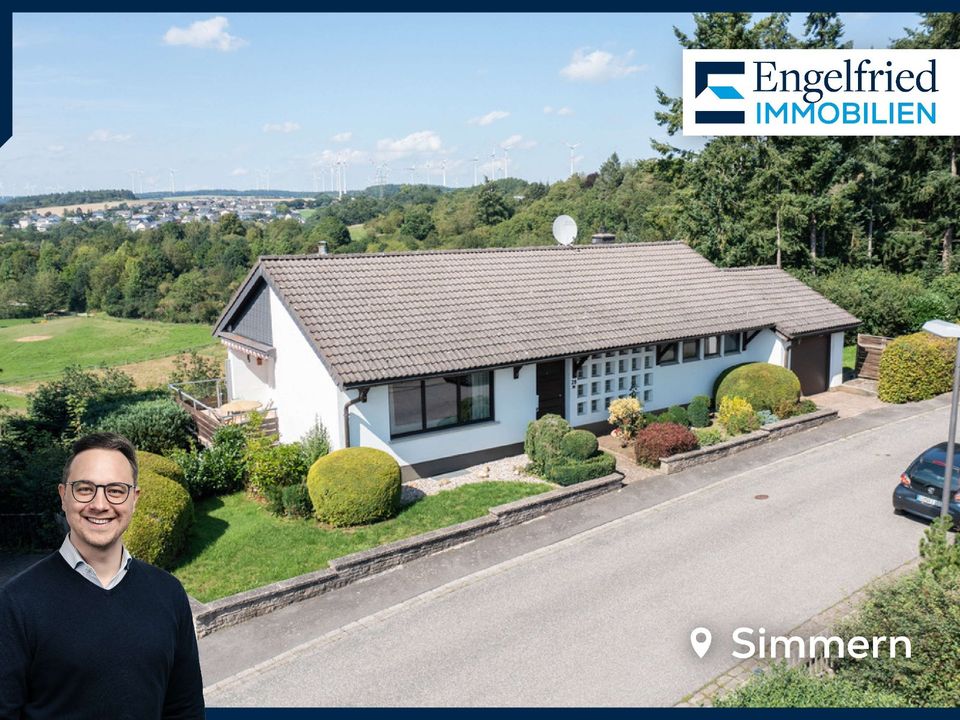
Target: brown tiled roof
(388, 316)
(795, 308)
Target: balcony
(208, 405)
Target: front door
(810, 360)
(551, 387)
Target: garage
(810, 360)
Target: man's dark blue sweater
(70, 649)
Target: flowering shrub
(662, 440)
(736, 416)
(626, 415)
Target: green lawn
(358, 232)
(237, 545)
(89, 342)
(850, 356)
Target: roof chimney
(322, 248)
(603, 237)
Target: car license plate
(929, 501)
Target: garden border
(234, 609)
(773, 431)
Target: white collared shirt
(73, 558)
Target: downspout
(362, 397)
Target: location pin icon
(700, 639)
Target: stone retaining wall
(779, 429)
(345, 570)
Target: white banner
(821, 92)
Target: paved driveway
(600, 611)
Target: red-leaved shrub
(662, 440)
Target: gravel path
(507, 469)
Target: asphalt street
(594, 605)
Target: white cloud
(103, 135)
(210, 33)
(237, 172)
(516, 142)
(599, 66)
(565, 111)
(550, 110)
(418, 142)
(342, 137)
(490, 117)
(284, 127)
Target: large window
(422, 405)
(731, 343)
(667, 353)
(691, 350)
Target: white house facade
(442, 358)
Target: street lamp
(946, 329)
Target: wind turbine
(476, 159)
(173, 181)
(572, 148)
(427, 167)
(506, 161)
(493, 164)
(443, 168)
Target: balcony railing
(207, 402)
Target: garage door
(810, 360)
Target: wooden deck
(206, 413)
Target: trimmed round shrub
(698, 411)
(276, 466)
(542, 442)
(354, 486)
(156, 426)
(296, 501)
(163, 466)
(677, 414)
(763, 385)
(916, 367)
(568, 471)
(161, 521)
(720, 378)
(661, 440)
(578, 444)
(736, 416)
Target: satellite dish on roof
(564, 229)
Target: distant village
(144, 215)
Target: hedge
(763, 385)
(163, 466)
(161, 520)
(156, 426)
(542, 441)
(276, 466)
(916, 367)
(570, 471)
(662, 440)
(354, 486)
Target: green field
(14, 402)
(89, 342)
(358, 232)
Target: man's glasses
(84, 491)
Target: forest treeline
(860, 218)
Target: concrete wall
(304, 390)
(836, 359)
(514, 405)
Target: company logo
(704, 70)
(821, 92)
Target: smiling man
(90, 632)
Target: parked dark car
(920, 491)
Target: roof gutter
(362, 397)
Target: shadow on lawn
(205, 531)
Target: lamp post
(945, 329)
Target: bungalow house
(442, 358)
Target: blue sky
(235, 100)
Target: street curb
(235, 609)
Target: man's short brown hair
(103, 441)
